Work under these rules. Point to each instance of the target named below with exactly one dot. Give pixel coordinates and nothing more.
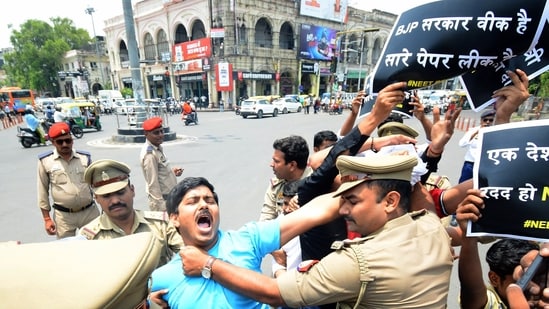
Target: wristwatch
(207, 269)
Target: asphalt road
(232, 152)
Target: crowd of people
(356, 223)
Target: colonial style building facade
(229, 49)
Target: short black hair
(504, 255)
(178, 192)
(295, 148)
(290, 188)
(322, 136)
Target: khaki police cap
(107, 176)
(356, 170)
(393, 128)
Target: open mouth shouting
(204, 221)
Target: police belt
(63, 209)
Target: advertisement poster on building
(317, 43)
(445, 39)
(224, 73)
(512, 173)
(195, 49)
(334, 10)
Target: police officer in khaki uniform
(403, 259)
(110, 182)
(62, 172)
(289, 163)
(160, 178)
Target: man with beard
(160, 177)
(113, 191)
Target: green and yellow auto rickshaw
(86, 115)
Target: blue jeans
(466, 171)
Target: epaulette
(340, 244)
(85, 153)
(90, 233)
(150, 149)
(45, 154)
(275, 181)
(157, 215)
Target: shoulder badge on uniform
(157, 215)
(89, 233)
(275, 181)
(45, 154)
(85, 153)
(150, 149)
(304, 266)
(340, 244)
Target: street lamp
(90, 11)
(362, 31)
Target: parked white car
(287, 105)
(258, 108)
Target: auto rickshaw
(84, 114)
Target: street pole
(90, 11)
(363, 30)
(361, 55)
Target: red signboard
(192, 50)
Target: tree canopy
(39, 48)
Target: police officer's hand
(156, 297)
(50, 226)
(192, 260)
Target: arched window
(150, 49)
(163, 45)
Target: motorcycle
(28, 137)
(76, 130)
(191, 118)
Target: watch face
(206, 273)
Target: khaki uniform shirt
(144, 221)
(272, 203)
(159, 176)
(65, 179)
(407, 264)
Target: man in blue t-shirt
(193, 208)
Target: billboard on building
(192, 50)
(224, 76)
(333, 10)
(317, 43)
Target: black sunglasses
(60, 142)
(487, 119)
(158, 132)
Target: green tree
(39, 48)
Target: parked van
(109, 100)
